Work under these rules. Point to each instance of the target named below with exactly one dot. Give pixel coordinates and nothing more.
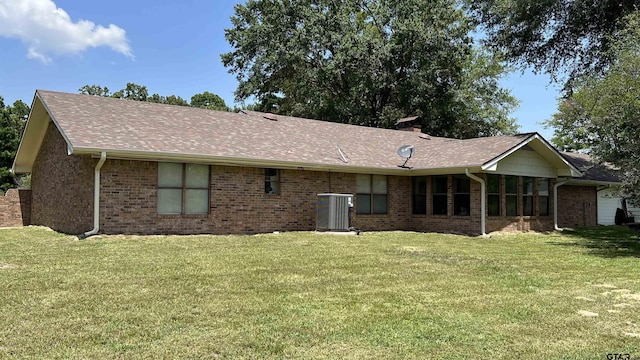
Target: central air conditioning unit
(333, 212)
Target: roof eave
(280, 164)
(33, 134)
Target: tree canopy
(566, 39)
(138, 92)
(368, 62)
(602, 115)
(207, 100)
(12, 121)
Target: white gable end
(526, 163)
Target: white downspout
(555, 204)
(483, 211)
(96, 198)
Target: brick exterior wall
(15, 208)
(577, 206)
(238, 204)
(62, 186)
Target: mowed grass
(306, 295)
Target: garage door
(608, 202)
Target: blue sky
(172, 47)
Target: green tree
(170, 100)
(12, 121)
(140, 93)
(207, 100)
(95, 90)
(603, 113)
(132, 92)
(368, 62)
(566, 39)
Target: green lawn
(305, 295)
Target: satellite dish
(406, 152)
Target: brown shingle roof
(98, 123)
(591, 170)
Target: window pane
(543, 187)
(196, 201)
(169, 175)
(197, 176)
(439, 185)
(493, 184)
(363, 204)
(271, 187)
(527, 186)
(512, 205)
(379, 184)
(379, 204)
(511, 184)
(461, 204)
(461, 185)
(419, 204)
(543, 205)
(440, 204)
(493, 205)
(169, 201)
(420, 185)
(271, 174)
(363, 184)
(527, 205)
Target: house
(117, 166)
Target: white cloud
(48, 30)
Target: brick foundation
(15, 208)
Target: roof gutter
(96, 198)
(483, 210)
(555, 203)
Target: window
(440, 190)
(527, 196)
(511, 195)
(493, 189)
(461, 195)
(543, 197)
(271, 181)
(183, 188)
(371, 194)
(419, 195)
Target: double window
(371, 194)
(183, 188)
